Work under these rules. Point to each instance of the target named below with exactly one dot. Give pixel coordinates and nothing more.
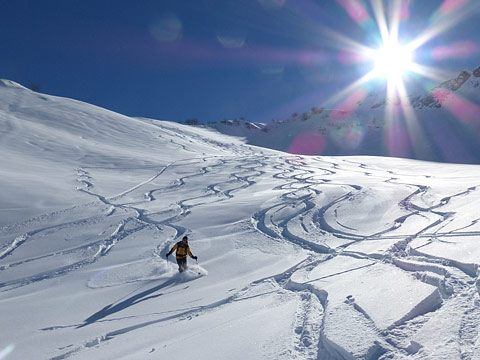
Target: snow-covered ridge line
(12, 84)
(360, 128)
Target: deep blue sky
(207, 59)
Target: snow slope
(299, 257)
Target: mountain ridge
(361, 126)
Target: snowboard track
(307, 214)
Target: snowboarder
(182, 250)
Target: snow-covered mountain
(299, 257)
(437, 124)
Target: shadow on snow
(138, 298)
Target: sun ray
(395, 20)
(394, 134)
(414, 129)
(393, 61)
(350, 88)
(444, 25)
(431, 73)
(395, 65)
(356, 10)
(343, 41)
(379, 13)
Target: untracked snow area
(298, 257)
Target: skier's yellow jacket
(182, 250)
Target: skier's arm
(190, 253)
(173, 249)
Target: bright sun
(395, 58)
(392, 60)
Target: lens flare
(450, 6)
(405, 10)
(464, 110)
(231, 41)
(349, 136)
(351, 57)
(356, 10)
(311, 143)
(349, 105)
(167, 28)
(397, 140)
(394, 60)
(458, 50)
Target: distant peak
(455, 84)
(10, 83)
(476, 72)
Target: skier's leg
(182, 264)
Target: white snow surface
(298, 257)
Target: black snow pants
(182, 264)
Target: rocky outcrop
(455, 84)
(476, 72)
(433, 100)
(429, 101)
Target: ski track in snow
(307, 214)
(457, 283)
(141, 219)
